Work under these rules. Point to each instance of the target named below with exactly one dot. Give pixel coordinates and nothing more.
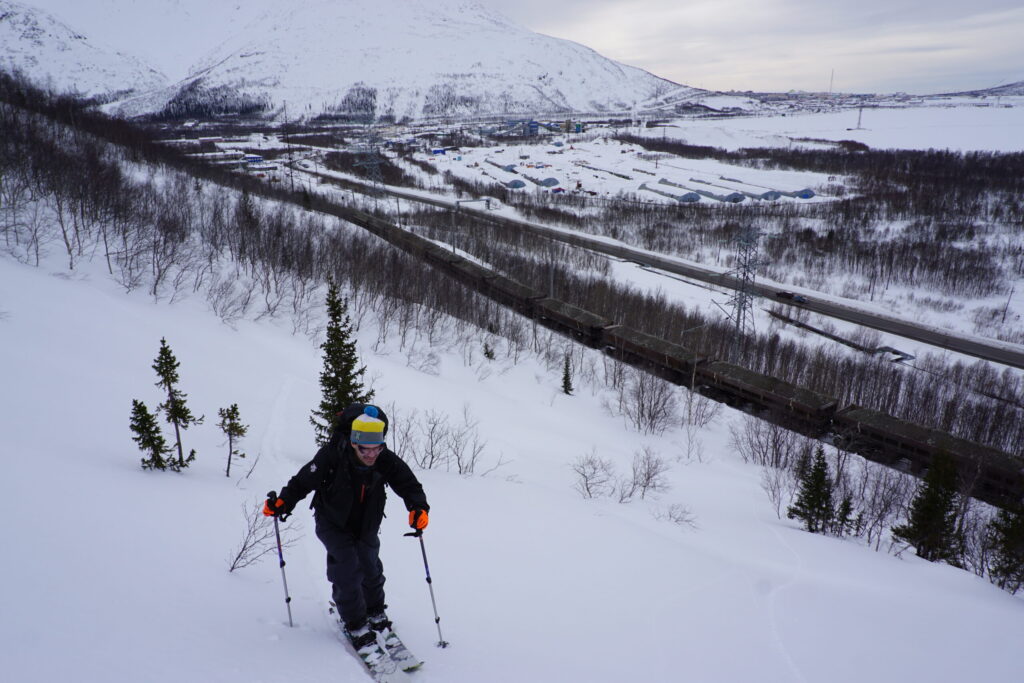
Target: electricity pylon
(739, 306)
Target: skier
(348, 476)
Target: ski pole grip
(272, 497)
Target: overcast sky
(914, 46)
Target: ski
(380, 666)
(377, 662)
(399, 653)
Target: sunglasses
(369, 450)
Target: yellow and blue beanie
(368, 429)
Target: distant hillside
(1009, 89)
(398, 59)
(57, 57)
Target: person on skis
(348, 476)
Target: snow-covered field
(115, 574)
(608, 168)
(959, 123)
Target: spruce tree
(148, 436)
(340, 382)
(176, 412)
(931, 524)
(567, 387)
(814, 501)
(231, 424)
(1006, 533)
(843, 521)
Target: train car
(439, 256)
(769, 392)
(507, 291)
(629, 344)
(410, 242)
(582, 323)
(471, 273)
(896, 442)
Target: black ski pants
(354, 570)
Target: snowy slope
(401, 58)
(57, 57)
(169, 34)
(999, 91)
(118, 575)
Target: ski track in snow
(272, 439)
(771, 592)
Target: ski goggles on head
(368, 450)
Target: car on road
(795, 298)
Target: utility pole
(291, 171)
(370, 159)
(551, 269)
(453, 225)
(741, 303)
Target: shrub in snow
(259, 537)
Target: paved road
(1012, 355)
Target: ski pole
(280, 556)
(441, 642)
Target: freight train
(998, 477)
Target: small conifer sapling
(175, 410)
(148, 437)
(814, 501)
(567, 387)
(231, 424)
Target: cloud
(873, 45)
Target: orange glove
(418, 519)
(274, 507)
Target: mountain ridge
(51, 53)
(392, 59)
(327, 59)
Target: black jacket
(339, 484)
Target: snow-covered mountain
(1001, 90)
(52, 54)
(396, 58)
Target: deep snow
(116, 574)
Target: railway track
(997, 477)
(994, 351)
